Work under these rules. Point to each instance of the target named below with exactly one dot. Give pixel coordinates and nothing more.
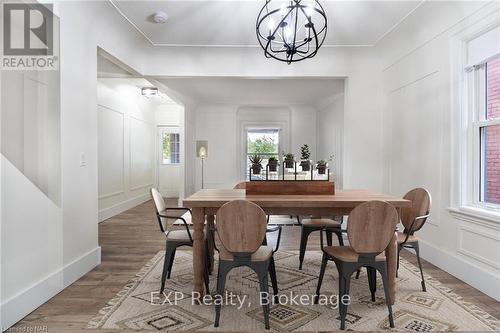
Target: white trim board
(18, 306)
(462, 269)
(109, 212)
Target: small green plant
(304, 152)
(256, 159)
(272, 159)
(288, 156)
(321, 163)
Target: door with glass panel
(169, 170)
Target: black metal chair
(241, 229)
(370, 228)
(174, 238)
(332, 226)
(413, 219)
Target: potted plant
(305, 163)
(273, 164)
(321, 165)
(256, 161)
(289, 160)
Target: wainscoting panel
(111, 152)
(141, 158)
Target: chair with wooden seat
(413, 219)
(174, 238)
(242, 186)
(370, 228)
(241, 229)
(332, 226)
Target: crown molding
(392, 28)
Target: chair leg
(329, 240)
(274, 280)
(221, 283)
(417, 251)
(171, 264)
(166, 265)
(397, 263)
(372, 281)
(382, 271)
(304, 235)
(264, 288)
(344, 283)
(324, 261)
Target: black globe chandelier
(291, 31)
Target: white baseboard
(109, 212)
(462, 269)
(20, 305)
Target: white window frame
(168, 130)
(260, 128)
(476, 116)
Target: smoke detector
(160, 17)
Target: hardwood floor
(130, 239)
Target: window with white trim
(484, 132)
(263, 142)
(169, 145)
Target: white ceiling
(232, 22)
(250, 91)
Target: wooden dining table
(205, 203)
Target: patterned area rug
(139, 306)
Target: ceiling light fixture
(149, 91)
(291, 31)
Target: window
(490, 136)
(169, 145)
(486, 133)
(263, 142)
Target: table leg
(391, 258)
(198, 250)
(211, 241)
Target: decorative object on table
(272, 163)
(305, 163)
(321, 165)
(289, 160)
(291, 31)
(202, 152)
(290, 187)
(133, 308)
(256, 161)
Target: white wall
(126, 146)
(223, 126)
(68, 246)
(330, 135)
(360, 67)
(422, 109)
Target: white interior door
(169, 167)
